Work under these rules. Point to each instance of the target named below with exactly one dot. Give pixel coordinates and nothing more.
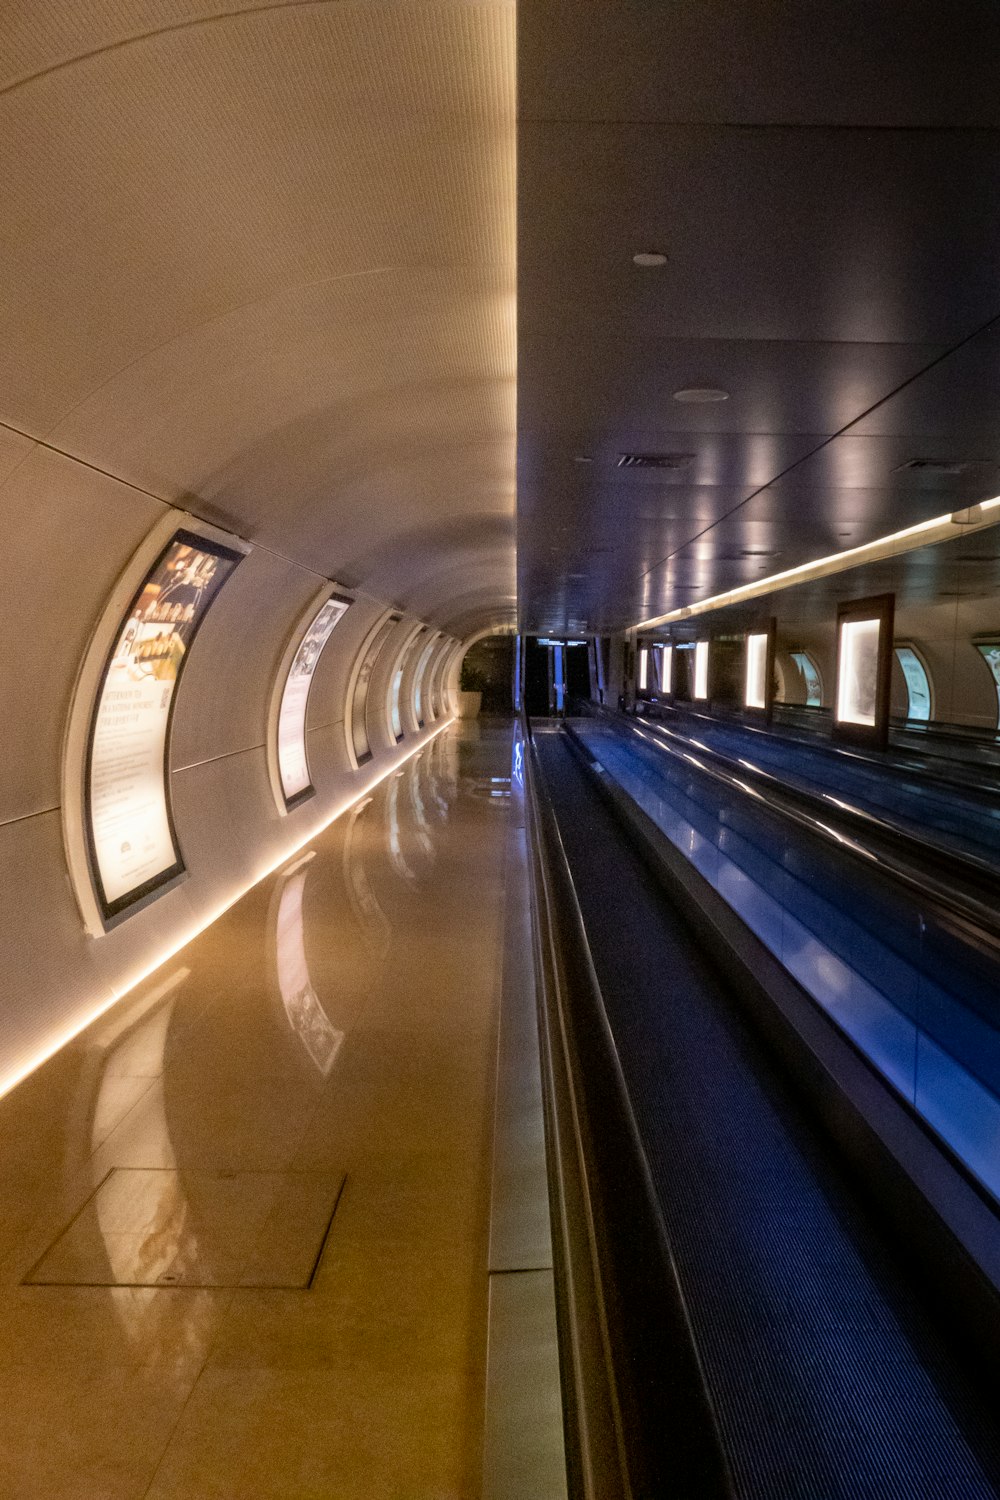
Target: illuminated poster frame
(863, 680)
(667, 669)
(358, 691)
(394, 695)
(642, 654)
(758, 669)
(917, 680)
(988, 650)
(437, 679)
(701, 677)
(808, 668)
(288, 710)
(147, 629)
(421, 708)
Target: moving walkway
(793, 1272)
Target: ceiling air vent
(655, 460)
(936, 466)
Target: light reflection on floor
(339, 1019)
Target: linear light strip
(12, 1080)
(941, 528)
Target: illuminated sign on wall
(755, 686)
(133, 847)
(418, 690)
(864, 668)
(857, 679)
(758, 668)
(360, 738)
(812, 684)
(396, 687)
(701, 670)
(666, 669)
(918, 686)
(293, 764)
(990, 652)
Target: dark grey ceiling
(825, 180)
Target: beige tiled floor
(340, 1019)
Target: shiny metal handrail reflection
(959, 889)
(636, 1403)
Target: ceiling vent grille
(936, 466)
(655, 460)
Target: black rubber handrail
(649, 1390)
(959, 890)
(902, 762)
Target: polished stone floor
(243, 1248)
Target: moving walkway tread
(960, 816)
(828, 1377)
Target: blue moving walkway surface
(828, 1381)
(914, 989)
(959, 810)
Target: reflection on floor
(187, 1307)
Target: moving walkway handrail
(945, 774)
(959, 889)
(639, 1419)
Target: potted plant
(471, 683)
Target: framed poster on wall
(288, 760)
(700, 688)
(864, 670)
(758, 669)
(989, 651)
(360, 738)
(122, 717)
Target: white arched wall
(329, 375)
(73, 532)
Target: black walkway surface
(829, 1380)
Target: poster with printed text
(293, 766)
(128, 813)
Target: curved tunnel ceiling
(259, 262)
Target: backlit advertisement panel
(133, 847)
(990, 652)
(864, 670)
(701, 670)
(755, 683)
(418, 690)
(857, 682)
(293, 764)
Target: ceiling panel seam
(638, 122)
(191, 509)
(219, 18)
(790, 468)
(190, 329)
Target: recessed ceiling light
(693, 394)
(648, 258)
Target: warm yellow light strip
(11, 1080)
(940, 529)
